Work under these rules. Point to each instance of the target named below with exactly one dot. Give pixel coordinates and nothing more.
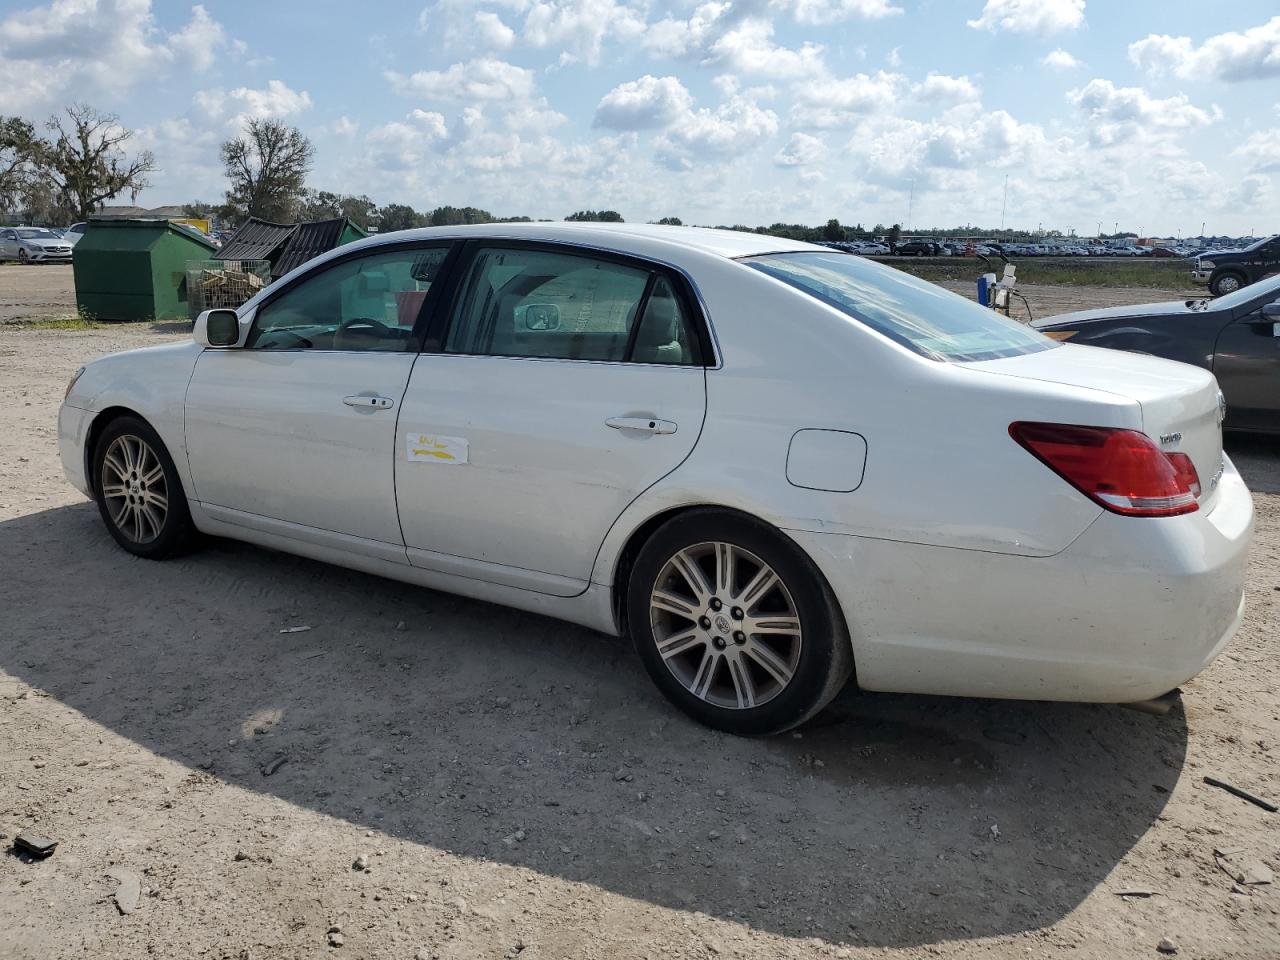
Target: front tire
(23, 257)
(138, 490)
(735, 624)
(1229, 281)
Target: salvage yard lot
(517, 786)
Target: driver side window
(367, 303)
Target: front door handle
(369, 403)
(641, 424)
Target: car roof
(638, 238)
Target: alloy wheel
(134, 488)
(725, 625)
(1228, 285)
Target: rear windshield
(913, 312)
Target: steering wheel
(377, 327)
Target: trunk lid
(1180, 403)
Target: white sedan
(774, 465)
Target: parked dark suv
(1226, 271)
(917, 248)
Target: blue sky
(1146, 113)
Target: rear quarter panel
(941, 468)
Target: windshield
(915, 313)
(1260, 290)
(38, 235)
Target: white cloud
(1253, 54)
(940, 88)
(647, 103)
(197, 44)
(484, 79)
(826, 102)
(748, 48)
(731, 128)
(85, 49)
(671, 37)
(404, 145)
(344, 126)
(801, 150)
(578, 28)
(234, 107)
(1030, 16)
(1117, 114)
(813, 12)
(492, 32)
(1061, 60)
(1261, 151)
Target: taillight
(1121, 470)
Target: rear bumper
(1133, 608)
(73, 428)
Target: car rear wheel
(139, 494)
(1223, 283)
(735, 624)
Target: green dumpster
(136, 269)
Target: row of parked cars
(924, 247)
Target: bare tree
(268, 169)
(87, 163)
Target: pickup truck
(1225, 271)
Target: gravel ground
(513, 786)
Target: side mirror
(1272, 310)
(217, 328)
(542, 317)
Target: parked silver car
(33, 245)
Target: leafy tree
(268, 169)
(398, 216)
(671, 222)
(199, 210)
(19, 159)
(453, 216)
(833, 231)
(895, 233)
(596, 216)
(86, 162)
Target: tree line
(79, 159)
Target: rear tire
(138, 490)
(735, 624)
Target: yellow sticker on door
(430, 448)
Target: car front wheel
(735, 625)
(138, 491)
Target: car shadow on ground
(891, 820)
(1255, 456)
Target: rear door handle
(641, 424)
(368, 402)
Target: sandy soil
(519, 789)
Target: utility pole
(1004, 205)
(911, 199)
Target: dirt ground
(32, 292)
(518, 788)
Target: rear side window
(915, 313)
(552, 305)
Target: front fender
(151, 382)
